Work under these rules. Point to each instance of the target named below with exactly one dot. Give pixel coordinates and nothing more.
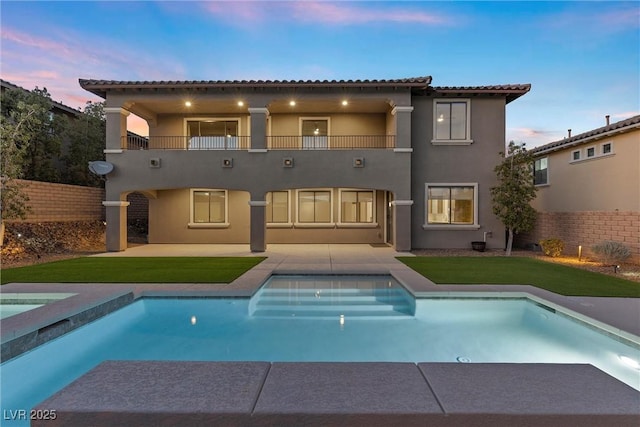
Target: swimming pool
(458, 330)
(16, 303)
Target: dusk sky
(581, 58)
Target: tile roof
(100, 87)
(617, 127)
(512, 91)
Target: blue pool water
(299, 319)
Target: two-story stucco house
(351, 161)
(589, 188)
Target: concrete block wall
(138, 208)
(587, 228)
(62, 202)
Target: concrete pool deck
(621, 314)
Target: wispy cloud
(593, 20)
(329, 13)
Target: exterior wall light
(287, 162)
(358, 162)
(227, 162)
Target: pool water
(458, 330)
(16, 303)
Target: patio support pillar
(403, 127)
(402, 224)
(116, 232)
(258, 129)
(116, 124)
(258, 226)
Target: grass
(523, 271)
(134, 270)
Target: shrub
(611, 252)
(552, 247)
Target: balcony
(195, 143)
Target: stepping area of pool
(321, 394)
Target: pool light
(194, 320)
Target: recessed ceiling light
(240, 104)
(187, 104)
(345, 102)
(292, 103)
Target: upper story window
(607, 148)
(212, 134)
(541, 171)
(451, 205)
(278, 207)
(314, 132)
(357, 206)
(575, 155)
(451, 121)
(604, 149)
(591, 152)
(209, 206)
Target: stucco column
(258, 128)
(402, 224)
(116, 118)
(258, 230)
(116, 233)
(403, 127)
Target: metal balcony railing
(332, 142)
(337, 142)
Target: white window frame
(476, 223)
(212, 119)
(468, 140)
(374, 221)
(193, 224)
(572, 159)
(534, 172)
(287, 224)
(330, 224)
(598, 152)
(328, 120)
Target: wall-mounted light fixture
(287, 162)
(227, 162)
(358, 162)
(154, 162)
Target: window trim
(193, 224)
(468, 140)
(185, 127)
(598, 152)
(572, 159)
(330, 224)
(534, 172)
(602, 153)
(288, 223)
(318, 118)
(374, 220)
(476, 223)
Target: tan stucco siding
(340, 124)
(604, 183)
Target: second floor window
(451, 121)
(212, 134)
(540, 171)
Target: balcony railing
(338, 142)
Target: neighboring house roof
(100, 87)
(615, 128)
(56, 105)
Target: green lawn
(134, 270)
(524, 271)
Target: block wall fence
(62, 202)
(587, 229)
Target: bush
(611, 252)
(552, 247)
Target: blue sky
(582, 58)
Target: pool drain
(463, 359)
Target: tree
(16, 132)
(45, 131)
(514, 191)
(87, 142)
